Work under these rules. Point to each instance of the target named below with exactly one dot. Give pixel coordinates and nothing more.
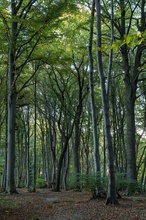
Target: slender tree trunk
(47, 158)
(52, 135)
(43, 148)
(92, 99)
(21, 155)
(111, 195)
(143, 176)
(4, 175)
(65, 168)
(35, 131)
(27, 148)
(77, 125)
(76, 150)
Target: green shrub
(40, 183)
(121, 182)
(95, 182)
(88, 181)
(128, 186)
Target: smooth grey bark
(47, 156)
(28, 147)
(92, 98)
(10, 184)
(35, 133)
(111, 195)
(42, 126)
(65, 168)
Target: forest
(73, 96)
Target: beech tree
(92, 98)
(111, 195)
(131, 80)
(10, 186)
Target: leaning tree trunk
(111, 195)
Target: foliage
(40, 183)
(91, 181)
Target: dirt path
(67, 205)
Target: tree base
(12, 192)
(111, 201)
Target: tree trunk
(111, 195)
(60, 163)
(131, 156)
(77, 126)
(21, 155)
(35, 132)
(65, 168)
(131, 72)
(27, 148)
(52, 136)
(47, 158)
(92, 99)
(10, 185)
(76, 151)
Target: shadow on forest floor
(68, 205)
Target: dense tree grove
(73, 95)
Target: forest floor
(68, 205)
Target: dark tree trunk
(131, 72)
(10, 186)
(77, 149)
(60, 163)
